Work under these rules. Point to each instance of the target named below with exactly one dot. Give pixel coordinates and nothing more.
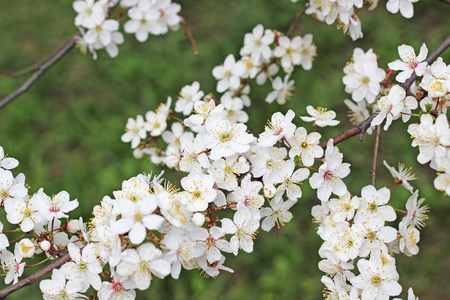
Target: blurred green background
(66, 130)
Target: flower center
(225, 136)
(373, 207)
(196, 194)
(376, 280)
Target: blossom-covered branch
(36, 276)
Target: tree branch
(41, 273)
(375, 154)
(445, 1)
(295, 21)
(39, 69)
(358, 129)
(188, 33)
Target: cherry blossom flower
(320, 116)
(409, 237)
(229, 74)
(243, 228)
(142, 22)
(266, 160)
(136, 218)
(416, 215)
(405, 7)
(377, 281)
(55, 206)
(430, 137)
(306, 146)
(390, 107)
(278, 213)
(225, 138)
(4, 243)
(289, 51)
(358, 112)
(344, 208)
(10, 187)
(329, 178)
(210, 243)
(308, 51)
(436, 79)
(283, 90)
(23, 211)
(226, 171)
(199, 191)
(188, 96)
(135, 131)
(376, 237)
(289, 180)
(141, 263)
(410, 63)
(7, 162)
(402, 176)
(364, 77)
(120, 288)
(57, 287)
(374, 205)
(277, 128)
(84, 268)
(257, 44)
(90, 13)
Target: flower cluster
(345, 13)
(235, 182)
(99, 25)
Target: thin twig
(295, 21)
(188, 33)
(40, 69)
(29, 280)
(375, 154)
(432, 57)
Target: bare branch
(41, 273)
(375, 154)
(445, 1)
(188, 33)
(358, 129)
(39, 69)
(295, 21)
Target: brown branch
(358, 129)
(445, 1)
(375, 154)
(41, 273)
(40, 69)
(432, 57)
(188, 33)
(295, 21)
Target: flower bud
(198, 219)
(269, 190)
(73, 226)
(138, 153)
(242, 160)
(45, 246)
(26, 248)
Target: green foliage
(66, 130)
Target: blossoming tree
(233, 182)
